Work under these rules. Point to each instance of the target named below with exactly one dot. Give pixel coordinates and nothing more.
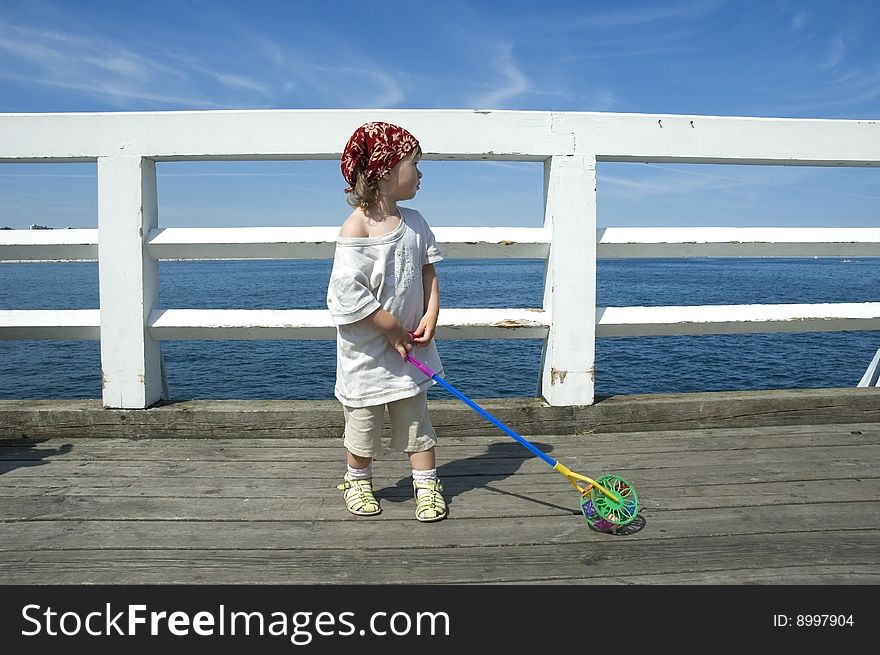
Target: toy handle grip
(424, 368)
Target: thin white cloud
(639, 189)
(835, 54)
(347, 86)
(297, 79)
(630, 16)
(856, 96)
(849, 88)
(625, 48)
(114, 72)
(237, 175)
(519, 167)
(119, 64)
(600, 101)
(661, 180)
(42, 175)
(98, 68)
(239, 82)
(385, 92)
(271, 51)
(799, 20)
(45, 48)
(513, 81)
(118, 92)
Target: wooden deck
(780, 504)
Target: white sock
(424, 476)
(359, 474)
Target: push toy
(607, 503)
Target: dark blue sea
(482, 369)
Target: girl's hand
(423, 334)
(396, 334)
(400, 339)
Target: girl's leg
(356, 461)
(423, 461)
(363, 427)
(430, 504)
(411, 431)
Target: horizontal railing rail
(49, 245)
(458, 243)
(129, 243)
(457, 323)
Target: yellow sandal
(359, 498)
(430, 505)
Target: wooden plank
(791, 575)
(490, 439)
(648, 482)
(475, 502)
(388, 532)
(246, 420)
(860, 455)
(450, 446)
(605, 559)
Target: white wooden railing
(128, 242)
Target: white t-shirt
(369, 273)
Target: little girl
(384, 299)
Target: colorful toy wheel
(592, 516)
(614, 511)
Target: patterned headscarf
(375, 148)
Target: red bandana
(375, 148)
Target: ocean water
(34, 369)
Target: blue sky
(784, 58)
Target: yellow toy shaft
(574, 478)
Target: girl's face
(404, 179)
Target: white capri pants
(411, 429)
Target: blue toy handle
(424, 368)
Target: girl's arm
(393, 330)
(428, 325)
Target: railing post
(567, 368)
(128, 281)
